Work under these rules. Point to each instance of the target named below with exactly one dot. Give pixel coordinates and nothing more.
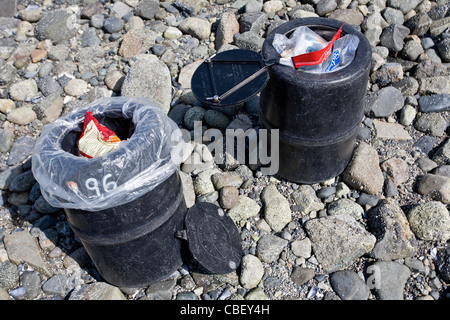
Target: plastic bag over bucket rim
(138, 165)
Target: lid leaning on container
(235, 76)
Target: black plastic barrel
(317, 115)
(130, 236)
(134, 244)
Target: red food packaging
(96, 140)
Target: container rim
(358, 65)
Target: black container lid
(216, 76)
(213, 238)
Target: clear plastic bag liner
(304, 40)
(151, 149)
(343, 53)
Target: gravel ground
(378, 231)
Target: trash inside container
(317, 114)
(127, 206)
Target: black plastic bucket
(317, 115)
(134, 244)
(127, 207)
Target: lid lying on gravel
(213, 238)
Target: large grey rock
(277, 211)
(419, 24)
(437, 187)
(150, 78)
(188, 188)
(7, 73)
(203, 183)
(9, 275)
(395, 239)
(147, 9)
(392, 37)
(6, 139)
(443, 262)
(430, 221)
(403, 5)
(227, 28)
(305, 197)
(253, 22)
(252, 271)
(21, 149)
(23, 115)
(444, 49)
(56, 25)
(269, 248)
(337, 241)
(345, 206)
(49, 108)
(23, 90)
(300, 275)
(21, 247)
(384, 102)
(349, 286)
(350, 16)
(363, 172)
(196, 27)
(434, 103)
(249, 40)
(90, 59)
(431, 123)
(137, 42)
(389, 279)
(56, 285)
(245, 208)
(22, 182)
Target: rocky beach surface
(379, 231)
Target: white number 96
(92, 184)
